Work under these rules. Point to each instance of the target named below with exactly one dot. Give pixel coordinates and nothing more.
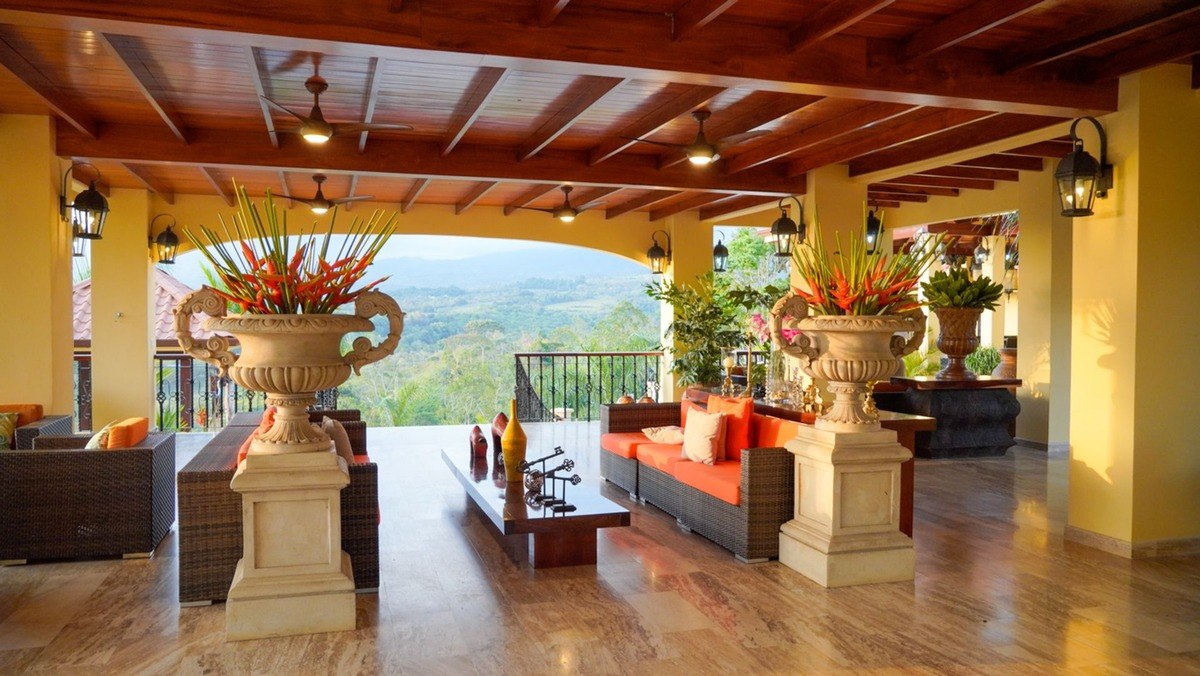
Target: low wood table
(567, 539)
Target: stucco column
(991, 322)
(691, 258)
(1133, 461)
(35, 269)
(123, 312)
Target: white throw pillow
(704, 437)
(100, 439)
(671, 434)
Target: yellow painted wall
(35, 269)
(123, 312)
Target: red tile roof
(168, 291)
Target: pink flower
(790, 334)
(759, 327)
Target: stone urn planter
(958, 337)
(848, 351)
(288, 357)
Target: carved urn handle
(787, 313)
(916, 318)
(368, 305)
(215, 350)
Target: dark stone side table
(974, 417)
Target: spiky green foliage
(956, 289)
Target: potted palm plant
(958, 301)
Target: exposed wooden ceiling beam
(911, 189)
(257, 77)
(485, 83)
(640, 202)
(590, 198)
(410, 198)
(548, 11)
(535, 191)
(831, 19)
(943, 182)
(652, 121)
(223, 191)
(776, 106)
(686, 204)
(477, 191)
(960, 138)
(350, 192)
(611, 43)
(1166, 11)
(973, 172)
(1177, 45)
(583, 94)
(979, 16)
(864, 116)
(914, 124)
(886, 204)
(286, 190)
(148, 82)
(998, 161)
(150, 182)
(897, 197)
(726, 208)
(374, 78)
(1055, 149)
(694, 14)
(13, 60)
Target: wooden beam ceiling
(223, 191)
(150, 182)
(590, 198)
(1177, 45)
(685, 204)
(257, 77)
(695, 14)
(961, 138)
(973, 172)
(652, 121)
(911, 190)
(999, 161)
(548, 11)
(468, 200)
(583, 94)
(641, 202)
(67, 109)
(942, 182)
(896, 197)
(374, 78)
(534, 192)
(831, 19)
(1053, 149)
(146, 76)
(351, 192)
(732, 206)
(485, 84)
(968, 22)
(757, 114)
(410, 198)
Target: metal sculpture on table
(538, 478)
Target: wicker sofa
(762, 479)
(210, 512)
(55, 425)
(61, 501)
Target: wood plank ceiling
(509, 101)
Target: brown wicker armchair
(56, 425)
(61, 501)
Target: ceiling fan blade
(735, 139)
(657, 143)
(545, 211)
(305, 200)
(294, 60)
(356, 198)
(298, 116)
(357, 127)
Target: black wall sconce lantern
(78, 244)
(1081, 179)
(656, 255)
(720, 255)
(981, 253)
(88, 212)
(167, 242)
(874, 230)
(784, 231)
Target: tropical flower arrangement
(852, 282)
(265, 269)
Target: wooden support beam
(862, 117)
(150, 182)
(954, 140)
(223, 191)
(832, 18)
(760, 108)
(410, 198)
(477, 191)
(979, 16)
(548, 11)
(590, 197)
(12, 58)
(641, 202)
(1180, 44)
(350, 192)
(885, 204)
(535, 191)
(686, 204)
(258, 75)
(147, 78)
(1087, 37)
(912, 125)
(735, 205)
(374, 78)
(973, 172)
(1052, 149)
(485, 83)
(285, 189)
(694, 14)
(999, 161)
(583, 94)
(652, 121)
(911, 189)
(942, 182)
(896, 197)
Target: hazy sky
(434, 247)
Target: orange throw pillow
(26, 413)
(128, 433)
(738, 432)
(685, 406)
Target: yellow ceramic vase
(513, 443)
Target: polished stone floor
(997, 591)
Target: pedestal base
(895, 563)
(287, 605)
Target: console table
(974, 417)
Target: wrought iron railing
(572, 385)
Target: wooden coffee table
(567, 539)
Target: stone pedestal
(846, 530)
(293, 577)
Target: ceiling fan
(700, 151)
(321, 204)
(564, 212)
(313, 126)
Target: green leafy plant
(955, 288)
(983, 360)
(706, 324)
(922, 364)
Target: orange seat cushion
(685, 406)
(722, 480)
(128, 433)
(662, 457)
(623, 444)
(772, 432)
(738, 432)
(26, 413)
